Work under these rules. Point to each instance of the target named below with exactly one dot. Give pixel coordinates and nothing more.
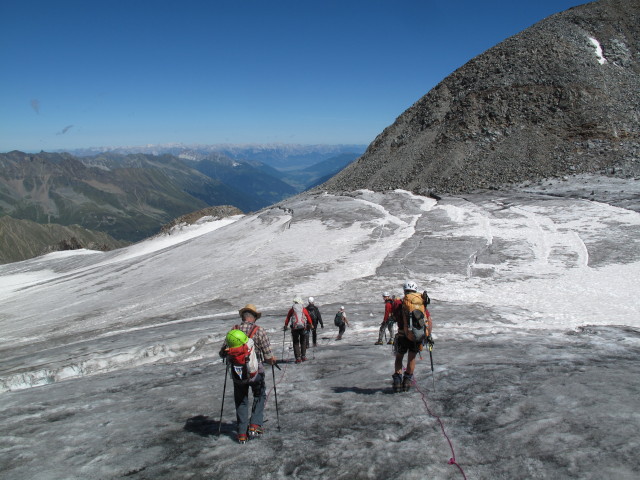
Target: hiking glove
(430, 340)
(284, 328)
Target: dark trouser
(241, 397)
(401, 346)
(299, 342)
(313, 335)
(342, 328)
(387, 325)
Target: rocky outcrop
(561, 97)
(218, 212)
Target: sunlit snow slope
(541, 262)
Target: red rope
(452, 460)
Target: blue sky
(113, 73)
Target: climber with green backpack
(246, 346)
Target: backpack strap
(253, 331)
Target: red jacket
(304, 312)
(388, 309)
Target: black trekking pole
(275, 393)
(433, 376)
(224, 389)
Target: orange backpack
(415, 323)
(413, 301)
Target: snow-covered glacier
(536, 306)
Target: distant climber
(341, 321)
(316, 318)
(301, 322)
(387, 321)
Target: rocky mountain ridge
(24, 239)
(129, 203)
(248, 186)
(560, 98)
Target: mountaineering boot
(304, 359)
(390, 342)
(242, 438)
(379, 342)
(255, 431)
(397, 382)
(406, 382)
(298, 360)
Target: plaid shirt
(260, 339)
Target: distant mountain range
(300, 166)
(129, 197)
(283, 157)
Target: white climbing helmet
(409, 285)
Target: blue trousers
(241, 397)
